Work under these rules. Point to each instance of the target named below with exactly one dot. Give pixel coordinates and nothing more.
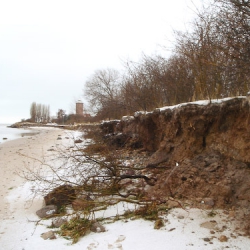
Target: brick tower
(79, 108)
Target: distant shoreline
(9, 134)
(26, 125)
(30, 124)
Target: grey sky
(49, 48)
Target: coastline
(32, 145)
(8, 133)
(20, 229)
(13, 161)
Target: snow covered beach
(184, 229)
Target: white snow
(127, 118)
(201, 103)
(173, 107)
(182, 230)
(138, 113)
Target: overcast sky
(49, 48)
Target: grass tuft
(75, 228)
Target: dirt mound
(199, 153)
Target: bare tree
(233, 22)
(210, 61)
(33, 112)
(143, 84)
(39, 112)
(61, 116)
(102, 91)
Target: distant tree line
(211, 61)
(39, 112)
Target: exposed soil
(198, 154)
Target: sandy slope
(19, 231)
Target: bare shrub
(90, 178)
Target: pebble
(180, 217)
(223, 238)
(47, 211)
(57, 222)
(48, 235)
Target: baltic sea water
(7, 134)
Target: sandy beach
(15, 156)
(19, 230)
(13, 160)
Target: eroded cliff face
(199, 151)
(191, 129)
